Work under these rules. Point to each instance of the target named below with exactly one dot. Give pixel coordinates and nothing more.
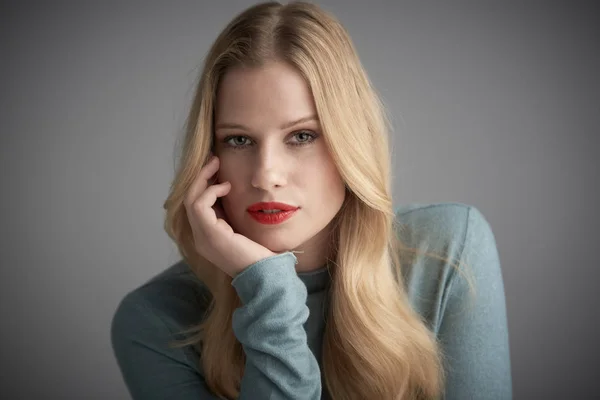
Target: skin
(265, 162)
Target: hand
(214, 238)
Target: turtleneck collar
(317, 280)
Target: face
(266, 156)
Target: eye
(239, 142)
(236, 141)
(304, 138)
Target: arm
(474, 330)
(152, 370)
(279, 363)
(270, 326)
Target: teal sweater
(282, 318)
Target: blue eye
(236, 144)
(304, 138)
(309, 138)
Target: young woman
(298, 278)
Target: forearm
(270, 326)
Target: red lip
(287, 211)
(273, 218)
(271, 205)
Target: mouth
(272, 217)
(271, 207)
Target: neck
(314, 253)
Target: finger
(218, 207)
(200, 184)
(205, 214)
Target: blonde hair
(375, 346)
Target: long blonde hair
(375, 346)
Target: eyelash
(313, 137)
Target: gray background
(495, 104)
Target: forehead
(273, 93)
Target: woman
(299, 280)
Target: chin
(276, 244)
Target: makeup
(271, 213)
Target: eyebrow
(287, 125)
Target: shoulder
(462, 243)
(434, 223)
(156, 312)
(447, 229)
(174, 295)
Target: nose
(269, 168)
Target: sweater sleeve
(269, 324)
(270, 327)
(473, 329)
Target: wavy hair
(375, 346)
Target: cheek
(229, 170)
(333, 186)
(323, 187)
(234, 201)
(232, 204)
(328, 174)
